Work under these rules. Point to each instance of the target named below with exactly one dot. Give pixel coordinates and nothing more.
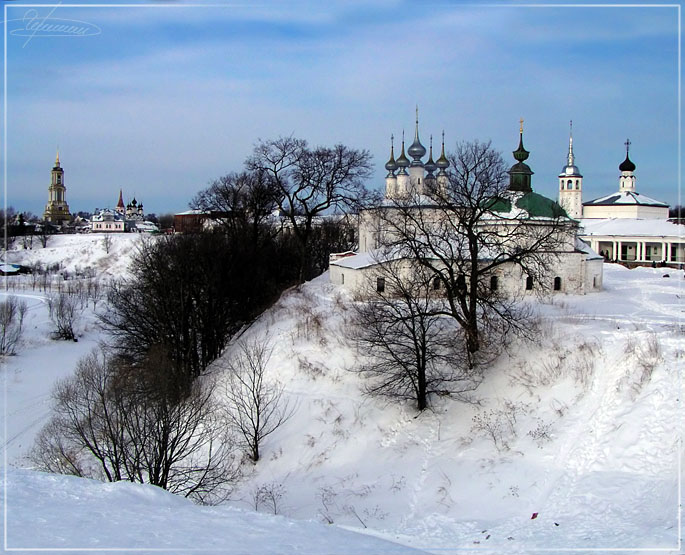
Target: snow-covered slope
(587, 422)
(46, 511)
(79, 252)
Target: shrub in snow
(65, 314)
(12, 313)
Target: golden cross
(521, 125)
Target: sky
(158, 99)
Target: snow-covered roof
(366, 259)
(192, 213)
(582, 246)
(9, 268)
(106, 214)
(625, 198)
(631, 227)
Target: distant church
(57, 209)
(623, 226)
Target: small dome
(570, 171)
(431, 166)
(403, 161)
(443, 163)
(391, 165)
(627, 165)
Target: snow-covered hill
(48, 511)
(580, 428)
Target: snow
(631, 227)
(625, 197)
(46, 511)
(594, 450)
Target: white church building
(625, 225)
(573, 267)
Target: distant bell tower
(571, 183)
(57, 209)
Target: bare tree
(12, 313)
(118, 423)
(44, 233)
(256, 408)
(409, 346)
(107, 243)
(65, 314)
(241, 202)
(312, 182)
(471, 228)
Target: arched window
(529, 283)
(461, 282)
(557, 283)
(577, 184)
(342, 279)
(569, 184)
(494, 283)
(380, 284)
(436, 283)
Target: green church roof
(539, 206)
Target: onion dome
(391, 165)
(430, 165)
(520, 173)
(627, 165)
(134, 202)
(417, 150)
(402, 160)
(442, 162)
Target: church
(573, 266)
(57, 209)
(623, 226)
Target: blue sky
(167, 97)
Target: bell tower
(57, 209)
(571, 183)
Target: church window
(569, 184)
(494, 283)
(436, 283)
(594, 282)
(380, 284)
(342, 279)
(557, 283)
(461, 282)
(529, 283)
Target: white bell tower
(571, 184)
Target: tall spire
(570, 169)
(57, 159)
(570, 145)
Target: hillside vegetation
(578, 429)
